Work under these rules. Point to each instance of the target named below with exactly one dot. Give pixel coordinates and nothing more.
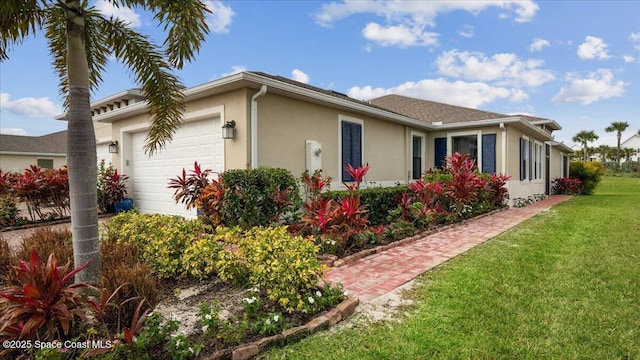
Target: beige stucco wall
(234, 107)
(521, 188)
(17, 163)
(284, 125)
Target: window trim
(423, 152)
(538, 170)
(341, 119)
(478, 134)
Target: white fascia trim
(496, 122)
(32, 153)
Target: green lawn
(563, 285)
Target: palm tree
(80, 41)
(602, 150)
(618, 126)
(627, 153)
(585, 137)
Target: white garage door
(199, 141)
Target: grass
(563, 285)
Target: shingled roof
(431, 111)
(55, 143)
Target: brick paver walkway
(378, 274)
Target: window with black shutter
(351, 147)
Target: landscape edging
(248, 351)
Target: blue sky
(577, 62)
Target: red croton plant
(44, 303)
(334, 220)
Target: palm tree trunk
(618, 153)
(586, 151)
(81, 152)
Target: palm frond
(162, 89)
(18, 20)
(95, 44)
(186, 25)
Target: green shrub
(161, 239)
(6, 261)
(200, 257)
(589, 174)
(8, 210)
(378, 201)
(284, 265)
(258, 197)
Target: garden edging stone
(248, 351)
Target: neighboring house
(279, 122)
(632, 143)
(19, 152)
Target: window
(465, 144)
(537, 161)
(565, 165)
(45, 163)
(351, 150)
(488, 153)
(417, 156)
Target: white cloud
(30, 107)
(468, 94)
(406, 20)
(123, 13)
(634, 37)
(628, 58)
(504, 69)
(13, 131)
(399, 35)
(299, 75)
(538, 45)
(592, 48)
(419, 12)
(466, 31)
(221, 17)
(597, 86)
(234, 70)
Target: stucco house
(275, 121)
(18, 152)
(633, 143)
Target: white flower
(276, 318)
(250, 300)
(268, 321)
(178, 343)
(190, 349)
(175, 317)
(319, 293)
(304, 311)
(311, 300)
(254, 289)
(205, 328)
(208, 317)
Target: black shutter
(440, 152)
(523, 160)
(351, 147)
(489, 153)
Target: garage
(194, 141)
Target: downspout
(503, 167)
(254, 126)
